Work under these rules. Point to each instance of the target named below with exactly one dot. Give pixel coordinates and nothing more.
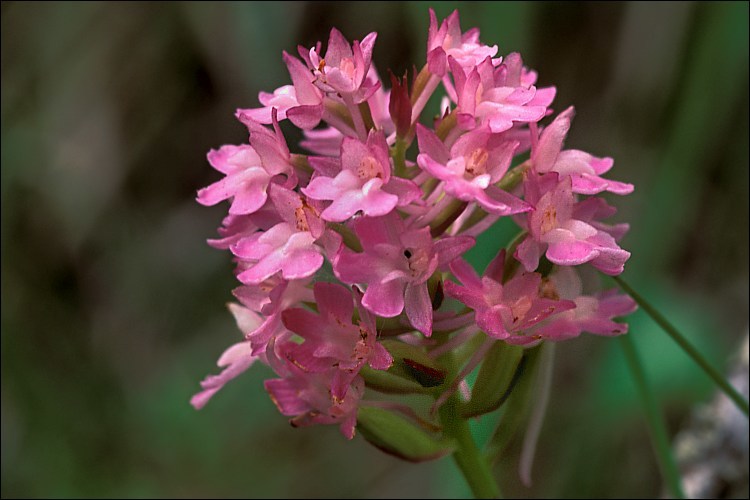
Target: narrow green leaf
(500, 371)
(686, 346)
(397, 436)
(656, 425)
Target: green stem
(472, 464)
(399, 157)
(691, 351)
(655, 421)
(445, 218)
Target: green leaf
(498, 375)
(397, 436)
(518, 405)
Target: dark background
(113, 306)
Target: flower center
(347, 67)
(519, 309)
(417, 260)
(549, 219)
(476, 163)
(547, 289)
(369, 168)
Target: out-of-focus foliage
(113, 306)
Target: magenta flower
(583, 168)
(307, 398)
(331, 339)
(503, 311)
(360, 228)
(344, 68)
(477, 161)
(271, 298)
(395, 265)
(246, 180)
(289, 246)
(448, 41)
(498, 96)
(250, 170)
(301, 102)
(364, 182)
(592, 314)
(557, 225)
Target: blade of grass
(691, 351)
(656, 425)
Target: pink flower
(237, 358)
(448, 41)
(592, 314)
(395, 265)
(364, 182)
(331, 339)
(503, 311)
(583, 168)
(246, 180)
(344, 68)
(477, 161)
(301, 102)
(250, 169)
(307, 396)
(289, 246)
(271, 298)
(497, 96)
(564, 228)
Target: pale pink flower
(469, 170)
(583, 168)
(364, 182)
(345, 67)
(396, 264)
(237, 358)
(504, 311)
(565, 229)
(448, 41)
(301, 102)
(289, 246)
(270, 298)
(246, 180)
(250, 169)
(592, 314)
(323, 141)
(497, 96)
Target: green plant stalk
(470, 461)
(655, 421)
(691, 351)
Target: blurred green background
(113, 306)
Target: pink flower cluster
(353, 241)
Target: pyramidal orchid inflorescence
(350, 248)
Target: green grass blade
(656, 424)
(691, 351)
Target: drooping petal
(418, 307)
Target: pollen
(300, 219)
(547, 289)
(476, 163)
(369, 168)
(549, 219)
